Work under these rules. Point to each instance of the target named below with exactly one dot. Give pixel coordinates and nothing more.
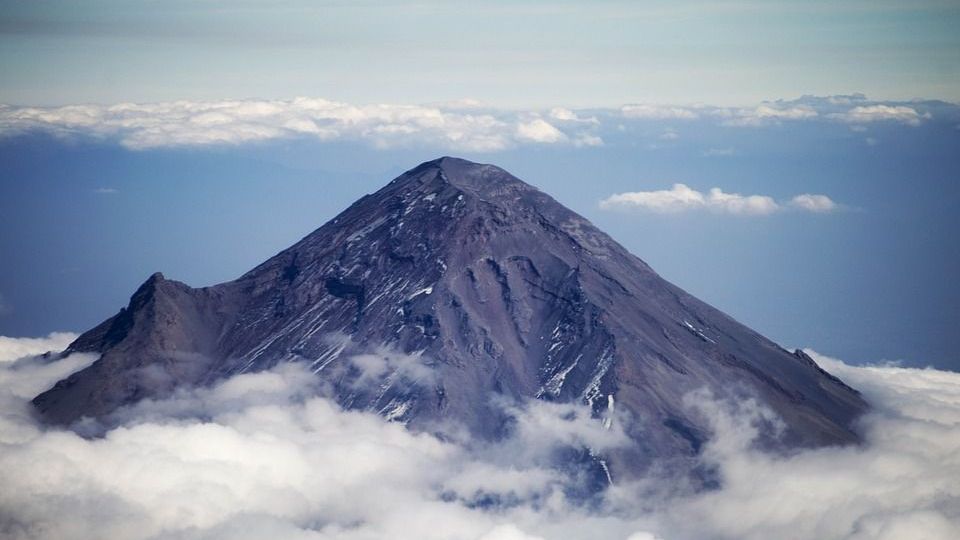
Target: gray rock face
(496, 285)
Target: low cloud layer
(881, 113)
(465, 125)
(262, 456)
(191, 123)
(14, 348)
(682, 198)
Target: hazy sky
(508, 53)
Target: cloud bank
(191, 123)
(465, 125)
(681, 198)
(14, 348)
(880, 113)
(262, 456)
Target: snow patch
(425, 290)
(555, 384)
(697, 332)
(395, 410)
(608, 419)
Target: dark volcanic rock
(499, 286)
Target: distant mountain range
(471, 284)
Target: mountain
(489, 287)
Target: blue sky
(146, 136)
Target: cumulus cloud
(582, 128)
(262, 455)
(562, 114)
(682, 198)
(881, 113)
(658, 112)
(539, 131)
(766, 113)
(813, 203)
(463, 126)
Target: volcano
(494, 289)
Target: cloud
(882, 113)
(259, 455)
(539, 131)
(902, 483)
(106, 191)
(766, 113)
(13, 348)
(813, 203)
(658, 112)
(461, 125)
(465, 125)
(377, 366)
(262, 455)
(562, 114)
(682, 198)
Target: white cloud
(462, 126)
(767, 113)
(466, 125)
(13, 348)
(813, 203)
(682, 198)
(562, 114)
(735, 203)
(658, 112)
(881, 113)
(261, 456)
(539, 131)
(258, 455)
(902, 483)
(376, 365)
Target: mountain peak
(499, 289)
(481, 179)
